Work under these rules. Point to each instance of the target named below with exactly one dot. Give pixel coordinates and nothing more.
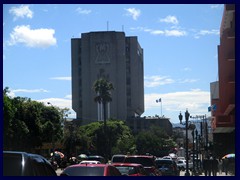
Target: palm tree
(102, 88)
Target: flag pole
(161, 107)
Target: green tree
(120, 138)
(154, 141)
(28, 124)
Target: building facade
(118, 59)
(223, 91)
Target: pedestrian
(225, 165)
(207, 166)
(220, 166)
(214, 166)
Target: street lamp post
(53, 141)
(186, 127)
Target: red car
(131, 169)
(91, 170)
(148, 163)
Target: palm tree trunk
(105, 129)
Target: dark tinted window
(84, 171)
(118, 158)
(147, 162)
(12, 165)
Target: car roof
(127, 164)
(145, 156)
(89, 161)
(90, 165)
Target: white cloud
(135, 13)
(67, 78)
(187, 69)
(30, 90)
(188, 80)
(156, 32)
(32, 37)
(61, 103)
(83, 11)
(21, 12)
(176, 33)
(169, 19)
(154, 81)
(69, 96)
(195, 100)
(206, 32)
(14, 91)
(173, 32)
(215, 6)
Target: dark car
(96, 158)
(148, 163)
(118, 158)
(131, 169)
(17, 163)
(91, 170)
(168, 167)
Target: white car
(181, 164)
(90, 162)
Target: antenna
(107, 25)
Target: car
(17, 163)
(168, 167)
(182, 165)
(90, 170)
(148, 163)
(90, 162)
(96, 158)
(118, 158)
(131, 169)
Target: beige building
(115, 57)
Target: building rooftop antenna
(107, 25)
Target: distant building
(118, 59)
(223, 91)
(138, 124)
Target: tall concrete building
(118, 59)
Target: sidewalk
(182, 173)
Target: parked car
(168, 167)
(148, 163)
(91, 170)
(90, 162)
(16, 163)
(131, 169)
(118, 158)
(96, 158)
(182, 165)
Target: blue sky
(179, 41)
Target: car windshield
(146, 162)
(84, 171)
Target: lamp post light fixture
(186, 127)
